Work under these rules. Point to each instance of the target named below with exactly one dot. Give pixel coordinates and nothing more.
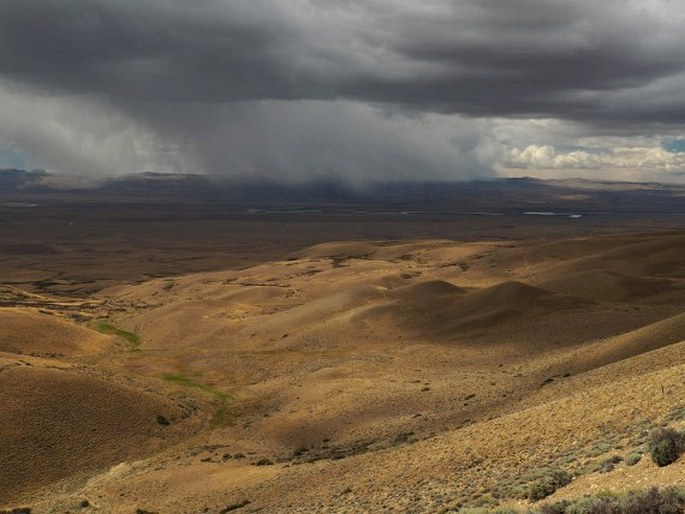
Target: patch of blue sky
(674, 145)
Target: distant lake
(284, 210)
(546, 213)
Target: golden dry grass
(379, 377)
(29, 332)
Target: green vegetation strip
(223, 416)
(180, 379)
(108, 328)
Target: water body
(284, 210)
(547, 213)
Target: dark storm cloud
(352, 89)
(584, 60)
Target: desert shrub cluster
(609, 464)
(665, 445)
(670, 500)
(548, 484)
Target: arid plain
(174, 356)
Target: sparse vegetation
(483, 510)
(548, 484)
(404, 437)
(670, 500)
(633, 458)
(235, 506)
(107, 327)
(533, 485)
(665, 445)
(299, 451)
(180, 379)
(223, 415)
(609, 464)
(677, 414)
(338, 259)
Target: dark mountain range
(482, 197)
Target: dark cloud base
(579, 60)
(196, 76)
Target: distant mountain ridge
(496, 195)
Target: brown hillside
(28, 332)
(57, 423)
(610, 286)
(417, 376)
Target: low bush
(548, 484)
(665, 445)
(609, 464)
(633, 459)
(652, 501)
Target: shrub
(655, 501)
(665, 445)
(548, 484)
(593, 505)
(609, 464)
(555, 508)
(652, 501)
(633, 459)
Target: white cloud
(640, 161)
(547, 157)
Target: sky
(352, 90)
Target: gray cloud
(307, 140)
(503, 57)
(294, 141)
(199, 76)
